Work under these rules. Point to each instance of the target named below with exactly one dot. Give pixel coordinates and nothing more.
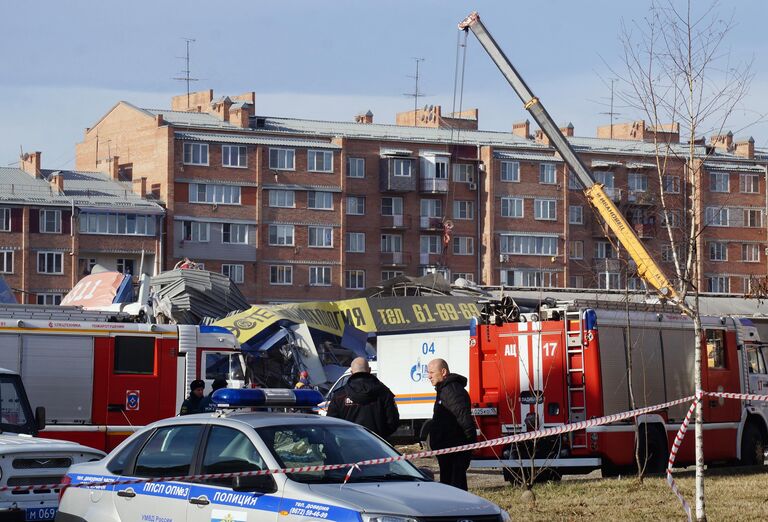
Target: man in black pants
(452, 423)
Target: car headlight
(505, 516)
(373, 517)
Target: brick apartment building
(56, 225)
(295, 209)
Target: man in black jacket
(194, 403)
(364, 400)
(452, 423)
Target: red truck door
(721, 374)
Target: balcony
(429, 259)
(394, 177)
(395, 259)
(613, 193)
(607, 265)
(644, 230)
(434, 186)
(431, 223)
(635, 197)
(396, 222)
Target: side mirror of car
(40, 418)
(428, 473)
(254, 483)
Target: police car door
(169, 452)
(229, 450)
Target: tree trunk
(697, 332)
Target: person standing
(208, 405)
(366, 401)
(303, 381)
(452, 423)
(194, 402)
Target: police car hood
(406, 498)
(15, 443)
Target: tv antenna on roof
(611, 113)
(416, 94)
(186, 72)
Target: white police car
(236, 442)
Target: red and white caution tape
(673, 454)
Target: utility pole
(186, 72)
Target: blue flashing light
(590, 319)
(473, 327)
(266, 398)
(209, 328)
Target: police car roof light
(266, 397)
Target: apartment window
(320, 276)
(354, 279)
(321, 237)
(6, 261)
(547, 173)
(320, 160)
(750, 252)
(434, 167)
(196, 154)
(573, 181)
(606, 179)
(463, 246)
(214, 194)
(719, 182)
(317, 200)
(576, 249)
(5, 219)
(463, 173)
(356, 205)
(402, 167)
(671, 184)
(282, 198)
(49, 299)
(608, 280)
(530, 278)
(671, 217)
(667, 253)
(718, 251)
(467, 276)
(528, 245)
(463, 210)
(392, 206)
(196, 232)
(430, 245)
(282, 159)
(235, 272)
(386, 275)
(391, 243)
(125, 266)
(122, 224)
(281, 275)
(355, 167)
(605, 250)
(746, 284)
(50, 263)
(510, 171)
(716, 217)
(281, 235)
(87, 263)
(431, 208)
(234, 156)
(576, 281)
(637, 182)
(576, 215)
(545, 209)
(234, 234)
(753, 217)
(512, 207)
(749, 183)
(355, 242)
(635, 283)
(50, 221)
(718, 284)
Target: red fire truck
(566, 362)
(99, 379)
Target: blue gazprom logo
(418, 371)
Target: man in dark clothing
(364, 400)
(208, 405)
(452, 424)
(193, 403)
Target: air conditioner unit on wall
(503, 258)
(473, 186)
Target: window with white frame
(126, 266)
(50, 263)
(635, 283)
(391, 243)
(463, 210)
(430, 245)
(49, 298)
(354, 279)
(196, 232)
(545, 209)
(718, 284)
(668, 253)
(234, 233)
(468, 276)
(510, 171)
(576, 281)
(6, 261)
(746, 284)
(716, 216)
(463, 245)
(719, 182)
(528, 245)
(211, 193)
(434, 167)
(196, 154)
(576, 215)
(317, 200)
(671, 184)
(463, 173)
(320, 276)
(50, 221)
(750, 252)
(320, 237)
(670, 216)
(529, 277)
(320, 160)
(718, 251)
(749, 183)
(548, 173)
(605, 250)
(234, 156)
(355, 167)
(281, 275)
(5, 219)
(282, 159)
(281, 235)
(608, 280)
(575, 249)
(235, 272)
(402, 167)
(392, 206)
(386, 275)
(120, 224)
(355, 242)
(512, 207)
(605, 178)
(356, 205)
(753, 217)
(637, 182)
(573, 181)
(431, 208)
(279, 198)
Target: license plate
(483, 411)
(43, 513)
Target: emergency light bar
(267, 398)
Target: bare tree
(676, 70)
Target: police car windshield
(312, 445)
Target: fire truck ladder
(59, 313)
(577, 410)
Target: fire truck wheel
(653, 449)
(752, 446)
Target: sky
(63, 65)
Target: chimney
(114, 171)
(746, 149)
(142, 186)
(722, 141)
(221, 108)
(540, 137)
(30, 163)
(567, 130)
(522, 129)
(57, 181)
(364, 118)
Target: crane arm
(646, 266)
